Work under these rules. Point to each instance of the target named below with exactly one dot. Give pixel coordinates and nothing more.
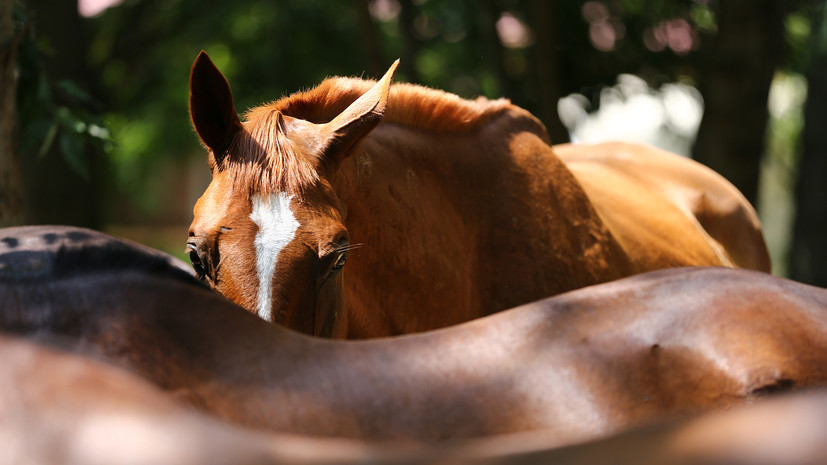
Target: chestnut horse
(587, 363)
(444, 209)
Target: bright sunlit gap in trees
(89, 8)
(632, 111)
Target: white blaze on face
(276, 228)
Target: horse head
(268, 233)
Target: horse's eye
(340, 263)
(197, 264)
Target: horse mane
(409, 105)
(270, 163)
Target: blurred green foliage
(132, 102)
(54, 112)
(142, 51)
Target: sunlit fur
(409, 105)
(266, 161)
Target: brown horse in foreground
(587, 363)
(57, 408)
(60, 409)
(444, 209)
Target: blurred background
(94, 128)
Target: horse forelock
(264, 161)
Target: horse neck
(454, 208)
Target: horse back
(40, 254)
(662, 191)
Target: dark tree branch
(737, 72)
(808, 250)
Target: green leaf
(71, 146)
(44, 94)
(71, 89)
(47, 141)
(33, 135)
(69, 121)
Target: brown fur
(459, 208)
(587, 363)
(272, 163)
(693, 197)
(61, 409)
(409, 105)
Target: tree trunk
(487, 14)
(370, 41)
(11, 208)
(548, 80)
(410, 44)
(737, 71)
(808, 249)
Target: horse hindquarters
(668, 210)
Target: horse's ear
(357, 120)
(211, 106)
